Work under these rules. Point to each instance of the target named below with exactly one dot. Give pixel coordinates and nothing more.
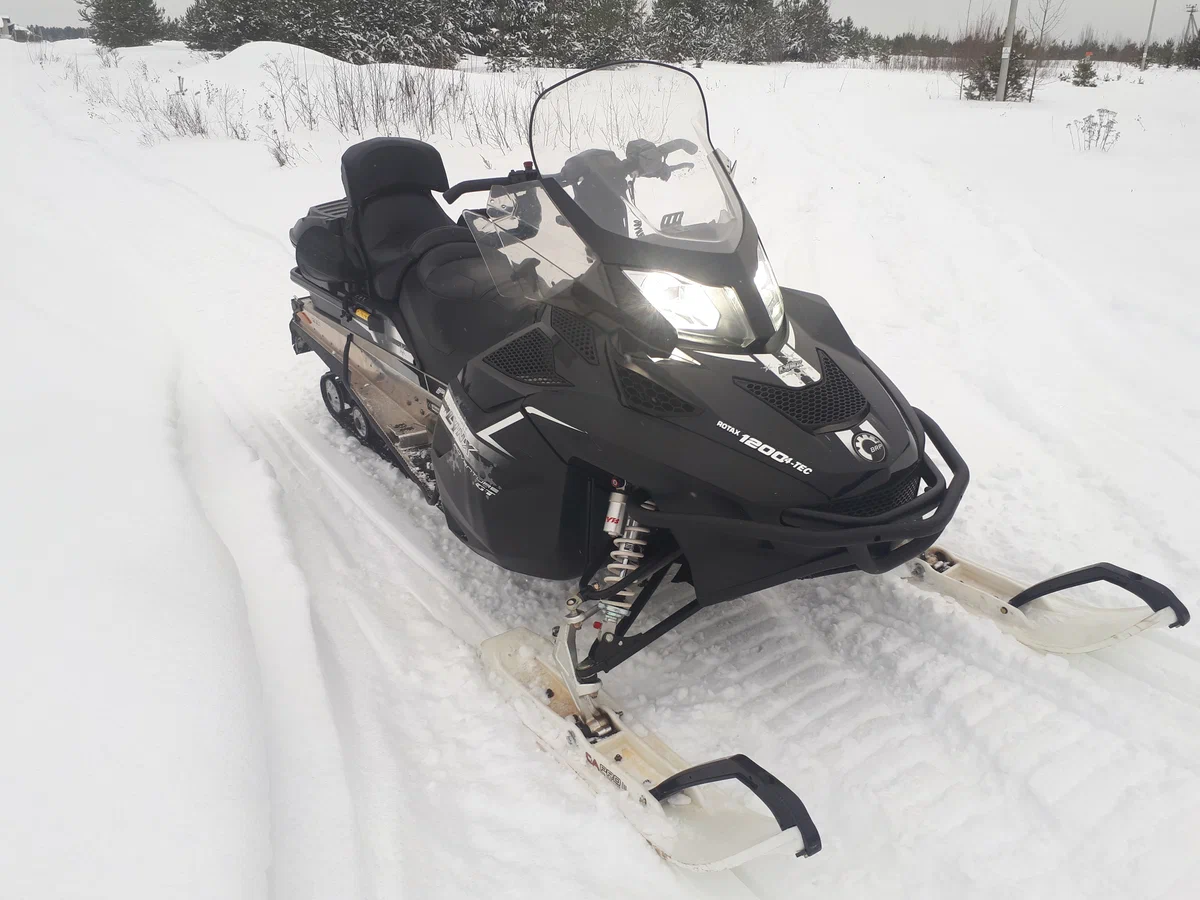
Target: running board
(679, 809)
(1038, 618)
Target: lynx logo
(605, 771)
(870, 447)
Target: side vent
(645, 396)
(576, 332)
(898, 491)
(832, 403)
(528, 358)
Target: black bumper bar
(914, 525)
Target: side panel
(507, 494)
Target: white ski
(699, 828)
(1040, 618)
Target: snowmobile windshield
(629, 144)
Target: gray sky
(1116, 17)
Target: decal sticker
(789, 367)
(538, 412)
(767, 450)
(468, 450)
(869, 447)
(605, 771)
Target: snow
(239, 656)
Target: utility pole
(1146, 46)
(1006, 53)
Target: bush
(123, 23)
(1084, 73)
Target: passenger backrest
(389, 182)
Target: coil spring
(626, 557)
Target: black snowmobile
(596, 377)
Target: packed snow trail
(939, 758)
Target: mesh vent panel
(832, 401)
(528, 358)
(883, 499)
(644, 395)
(576, 332)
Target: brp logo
(870, 447)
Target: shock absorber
(629, 545)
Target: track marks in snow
(313, 836)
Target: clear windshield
(630, 145)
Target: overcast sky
(1116, 17)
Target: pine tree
(1084, 73)
(478, 18)
(224, 25)
(983, 75)
(417, 32)
(809, 31)
(608, 30)
(671, 32)
(513, 32)
(123, 23)
(1189, 54)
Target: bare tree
(1044, 18)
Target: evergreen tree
(478, 19)
(983, 75)
(1084, 73)
(123, 23)
(671, 32)
(1189, 54)
(224, 25)
(418, 32)
(512, 32)
(608, 30)
(809, 32)
(755, 32)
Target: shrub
(1084, 73)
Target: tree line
(572, 33)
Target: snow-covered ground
(238, 655)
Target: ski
(1039, 616)
(683, 811)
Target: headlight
(768, 288)
(697, 311)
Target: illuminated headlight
(768, 289)
(695, 310)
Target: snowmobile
(597, 377)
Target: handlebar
(472, 185)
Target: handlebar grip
(472, 185)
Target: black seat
(389, 183)
(447, 305)
(450, 303)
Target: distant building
(7, 29)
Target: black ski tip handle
(1156, 596)
(785, 806)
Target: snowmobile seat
(450, 303)
(389, 183)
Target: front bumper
(873, 544)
